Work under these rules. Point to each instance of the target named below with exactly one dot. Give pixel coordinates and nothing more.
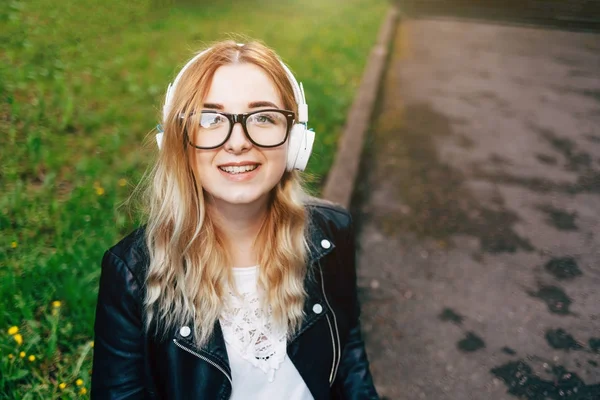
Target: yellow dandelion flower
(62, 385)
(83, 391)
(79, 382)
(99, 191)
(10, 356)
(13, 330)
(31, 358)
(22, 354)
(92, 344)
(122, 182)
(14, 245)
(56, 304)
(18, 338)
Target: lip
(244, 176)
(238, 164)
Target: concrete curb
(339, 185)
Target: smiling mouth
(234, 170)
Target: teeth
(239, 170)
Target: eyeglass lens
(268, 128)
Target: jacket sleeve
(118, 365)
(354, 380)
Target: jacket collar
(315, 303)
(319, 244)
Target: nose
(238, 141)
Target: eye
(263, 119)
(212, 120)
(267, 118)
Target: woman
(239, 286)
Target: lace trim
(249, 329)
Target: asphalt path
(478, 210)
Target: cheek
(278, 160)
(202, 164)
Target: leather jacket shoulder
(328, 350)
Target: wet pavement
(479, 215)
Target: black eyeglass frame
(290, 117)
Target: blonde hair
(189, 269)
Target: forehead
(239, 84)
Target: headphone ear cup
(300, 147)
(294, 145)
(159, 139)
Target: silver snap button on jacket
(317, 309)
(325, 244)
(185, 331)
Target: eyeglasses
(264, 128)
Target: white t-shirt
(259, 364)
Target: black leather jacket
(327, 351)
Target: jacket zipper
(336, 352)
(205, 359)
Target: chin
(240, 197)
(243, 192)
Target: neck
(240, 224)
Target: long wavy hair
(189, 270)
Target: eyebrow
(253, 104)
(257, 104)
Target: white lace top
(257, 355)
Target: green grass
(81, 85)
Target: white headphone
(301, 139)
